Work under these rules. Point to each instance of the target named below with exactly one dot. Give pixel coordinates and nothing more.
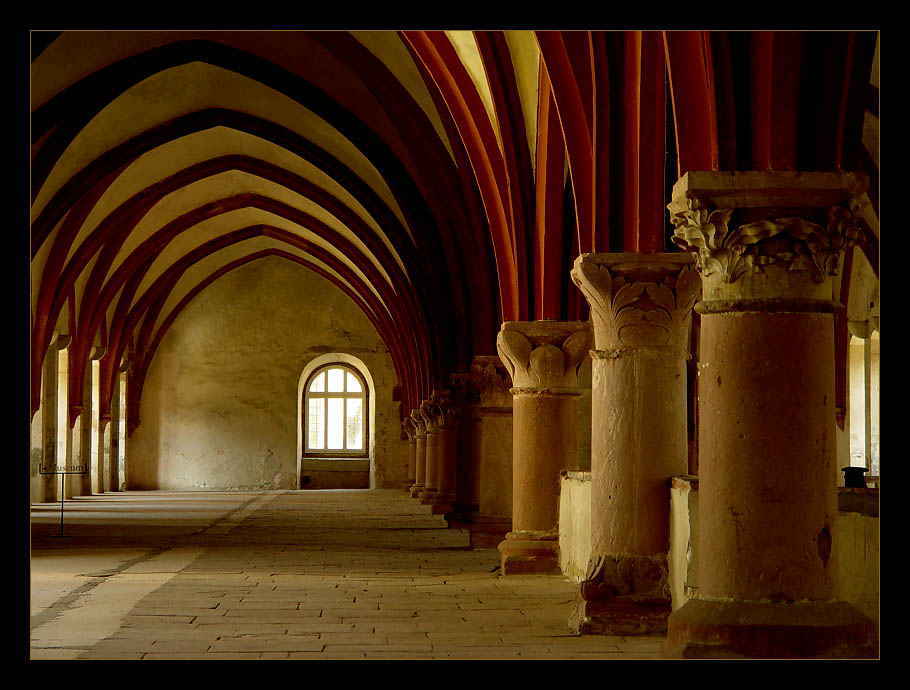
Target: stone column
(543, 358)
(76, 457)
(407, 427)
(495, 389)
(428, 410)
(420, 452)
(114, 454)
(768, 244)
(641, 307)
(49, 420)
(485, 433)
(85, 443)
(446, 459)
(467, 452)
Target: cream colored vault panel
(189, 88)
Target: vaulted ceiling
(444, 180)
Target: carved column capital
(418, 422)
(407, 427)
(444, 409)
(491, 381)
(544, 355)
(428, 411)
(639, 300)
(762, 236)
(466, 388)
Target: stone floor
(286, 575)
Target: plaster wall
(681, 560)
(219, 408)
(574, 523)
(859, 560)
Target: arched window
(335, 408)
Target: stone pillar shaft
(543, 358)
(467, 451)
(767, 246)
(412, 455)
(114, 455)
(446, 459)
(484, 460)
(85, 443)
(641, 309)
(427, 410)
(544, 437)
(432, 457)
(777, 421)
(420, 453)
(49, 423)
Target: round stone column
(484, 466)
(543, 358)
(641, 307)
(446, 458)
(428, 494)
(408, 427)
(767, 246)
(420, 452)
(467, 452)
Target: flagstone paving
(287, 575)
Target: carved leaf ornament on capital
(543, 365)
(418, 422)
(444, 409)
(638, 313)
(489, 376)
(794, 242)
(429, 412)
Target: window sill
(336, 464)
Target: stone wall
(219, 407)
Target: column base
(463, 513)
(620, 616)
(416, 489)
(765, 630)
(527, 552)
(427, 496)
(485, 532)
(623, 594)
(441, 504)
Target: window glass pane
(336, 380)
(353, 384)
(318, 385)
(354, 426)
(335, 421)
(316, 423)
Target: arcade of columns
(759, 252)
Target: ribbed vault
(445, 181)
(162, 160)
